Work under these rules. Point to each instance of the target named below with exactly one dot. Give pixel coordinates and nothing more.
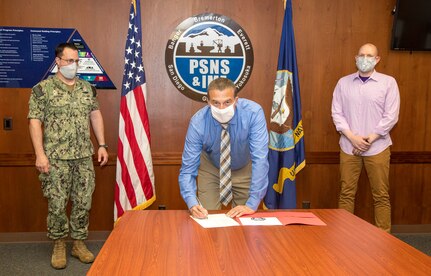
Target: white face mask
(366, 64)
(69, 71)
(223, 115)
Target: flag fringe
(142, 206)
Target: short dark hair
(60, 48)
(221, 84)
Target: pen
(200, 204)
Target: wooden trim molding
(174, 158)
(28, 159)
(30, 237)
(397, 157)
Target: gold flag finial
(134, 5)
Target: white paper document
(216, 220)
(260, 221)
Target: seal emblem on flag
(205, 47)
(281, 121)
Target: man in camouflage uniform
(61, 109)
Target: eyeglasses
(368, 56)
(70, 61)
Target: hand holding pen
(198, 211)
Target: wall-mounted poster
(27, 57)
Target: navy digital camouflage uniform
(65, 114)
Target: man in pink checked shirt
(365, 107)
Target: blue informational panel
(27, 57)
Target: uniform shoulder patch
(38, 91)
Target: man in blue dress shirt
(246, 125)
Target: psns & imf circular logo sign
(205, 47)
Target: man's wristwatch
(103, 146)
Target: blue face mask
(366, 64)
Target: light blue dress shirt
(249, 141)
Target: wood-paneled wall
(328, 34)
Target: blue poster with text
(27, 56)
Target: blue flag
(286, 135)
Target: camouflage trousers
(66, 179)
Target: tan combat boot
(81, 252)
(58, 259)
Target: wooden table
(170, 243)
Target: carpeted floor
(34, 258)
(419, 241)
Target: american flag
(134, 187)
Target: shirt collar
(374, 76)
(61, 84)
